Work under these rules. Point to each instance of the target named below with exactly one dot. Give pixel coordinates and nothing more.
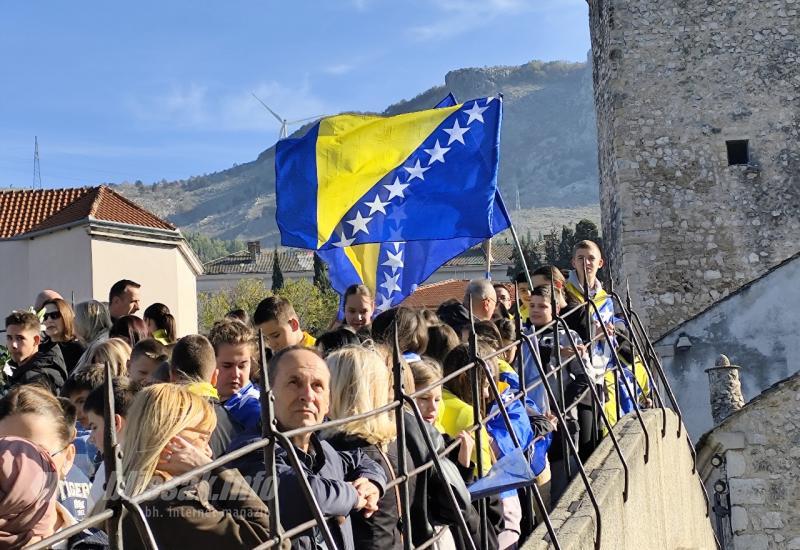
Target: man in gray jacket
(341, 482)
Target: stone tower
(698, 117)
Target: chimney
(254, 248)
(725, 389)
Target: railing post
(399, 394)
(476, 415)
(555, 364)
(268, 427)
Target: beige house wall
(60, 261)
(162, 271)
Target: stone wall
(665, 508)
(757, 327)
(760, 447)
(674, 80)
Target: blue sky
(153, 89)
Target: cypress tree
(277, 274)
(321, 279)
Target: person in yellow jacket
(456, 412)
(277, 319)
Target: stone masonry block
(772, 520)
(735, 463)
(748, 491)
(730, 440)
(738, 519)
(750, 542)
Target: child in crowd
(124, 390)
(34, 413)
(235, 349)
(359, 306)
(160, 323)
(277, 319)
(146, 357)
(76, 389)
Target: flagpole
(488, 251)
(515, 238)
(518, 246)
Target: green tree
(532, 258)
(208, 248)
(277, 274)
(587, 230)
(315, 307)
(212, 306)
(321, 279)
(565, 248)
(551, 242)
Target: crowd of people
(182, 402)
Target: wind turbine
(285, 123)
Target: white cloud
(460, 16)
(198, 107)
(338, 68)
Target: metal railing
(550, 377)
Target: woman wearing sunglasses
(59, 326)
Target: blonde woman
(113, 350)
(92, 321)
(167, 433)
(360, 383)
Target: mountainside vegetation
(548, 156)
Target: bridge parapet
(666, 505)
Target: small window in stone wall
(738, 152)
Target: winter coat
(219, 511)
(45, 368)
(328, 472)
(382, 530)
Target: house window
(738, 152)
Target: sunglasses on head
(54, 315)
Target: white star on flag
(437, 153)
(416, 171)
(377, 205)
(343, 242)
(475, 113)
(396, 189)
(359, 223)
(398, 215)
(396, 234)
(384, 304)
(456, 133)
(390, 284)
(396, 246)
(395, 261)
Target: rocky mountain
(548, 154)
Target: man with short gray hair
(484, 299)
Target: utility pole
(37, 173)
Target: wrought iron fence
(550, 377)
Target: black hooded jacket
(45, 368)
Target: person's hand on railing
(465, 449)
(368, 496)
(180, 456)
(553, 420)
(568, 352)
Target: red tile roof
(433, 295)
(33, 210)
